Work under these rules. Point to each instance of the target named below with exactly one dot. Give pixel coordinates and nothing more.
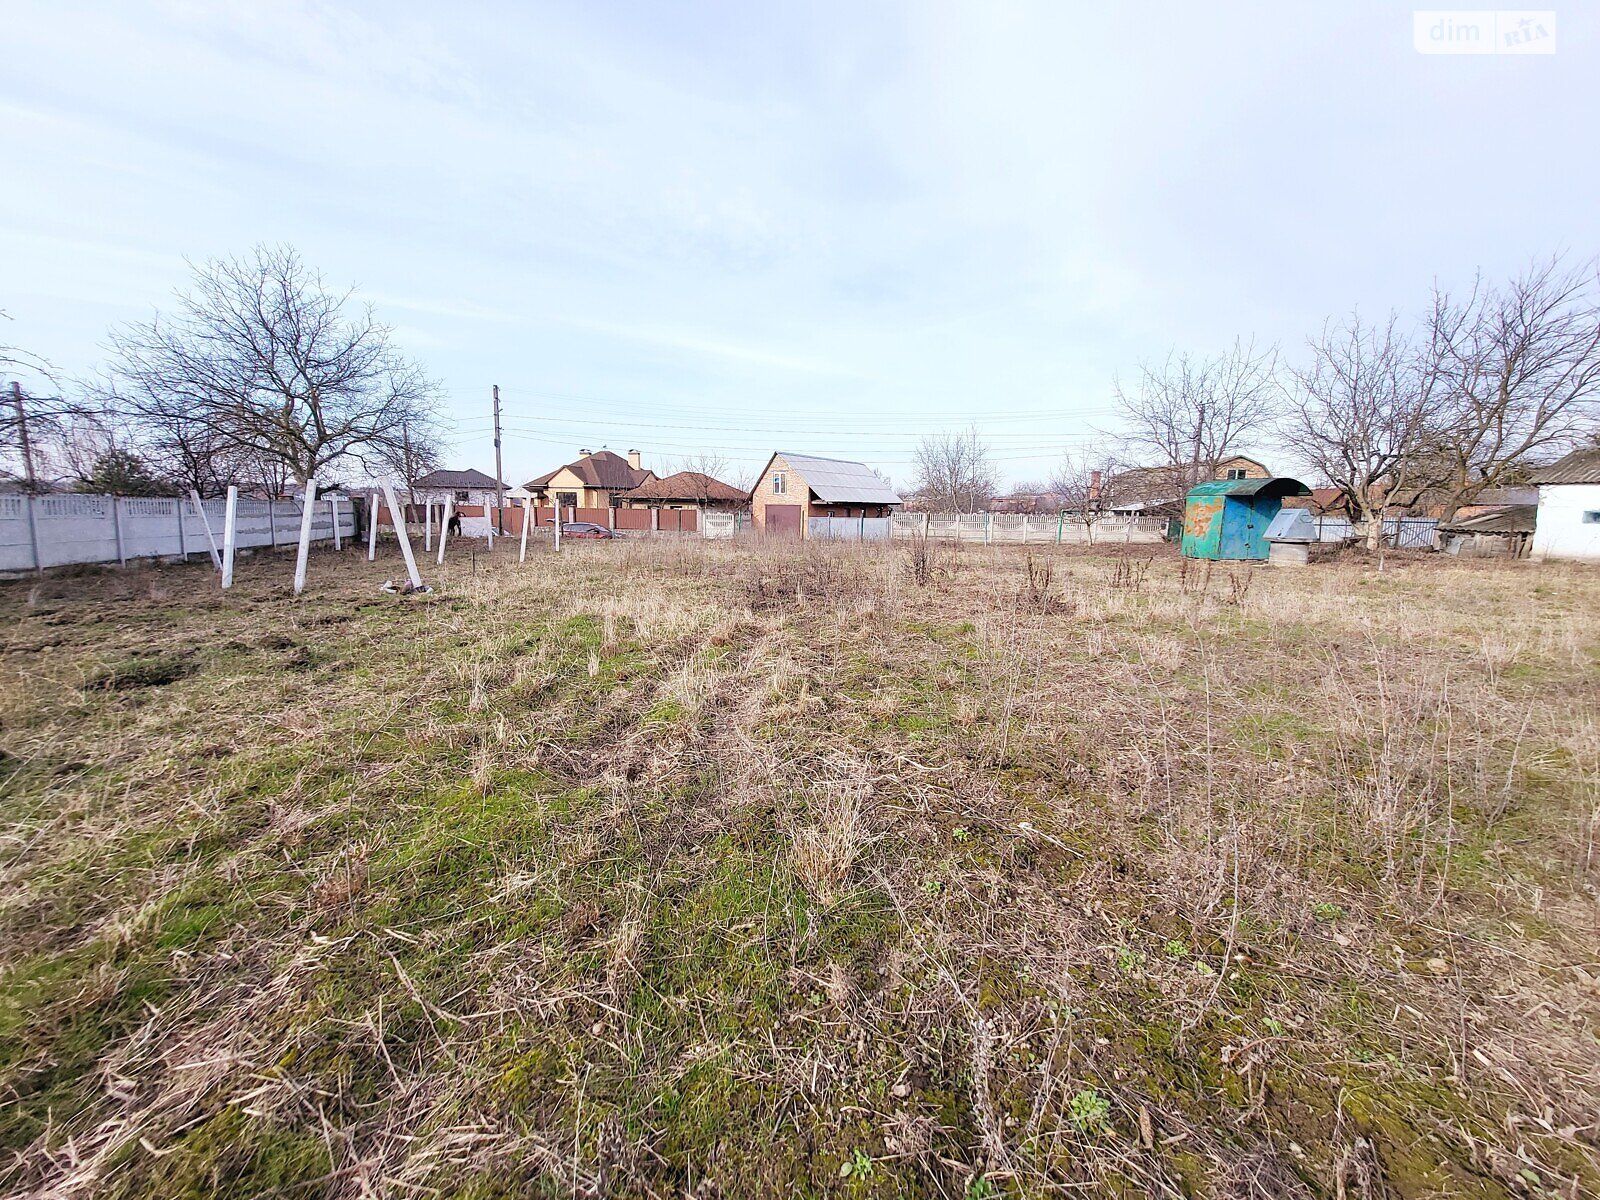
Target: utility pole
(499, 481)
(27, 446)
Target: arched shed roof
(1276, 485)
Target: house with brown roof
(590, 481)
(685, 489)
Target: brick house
(590, 480)
(686, 489)
(792, 488)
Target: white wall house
(464, 487)
(1568, 521)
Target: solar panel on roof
(838, 482)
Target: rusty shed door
(783, 520)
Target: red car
(585, 529)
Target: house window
(567, 499)
(463, 496)
(779, 487)
(1592, 517)
(1236, 473)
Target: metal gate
(782, 520)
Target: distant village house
(592, 480)
(686, 489)
(793, 488)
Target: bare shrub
(922, 558)
(1128, 574)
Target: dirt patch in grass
(149, 671)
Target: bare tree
(1189, 413)
(31, 424)
(954, 472)
(1364, 412)
(1521, 367)
(266, 363)
(1086, 483)
(417, 452)
(705, 462)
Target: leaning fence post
(444, 526)
(205, 524)
(333, 504)
(307, 503)
(230, 534)
(522, 555)
(405, 540)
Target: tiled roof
(838, 482)
(686, 485)
(455, 479)
(602, 469)
(1581, 466)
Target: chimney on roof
(583, 454)
(633, 459)
(1094, 485)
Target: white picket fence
(61, 530)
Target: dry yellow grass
(713, 870)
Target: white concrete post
(333, 504)
(183, 541)
(205, 523)
(522, 555)
(444, 526)
(116, 525)
(372, 527)
(230, 536)
(307, 504)
(427, 526)
(558, 528)
(33, 534)
(405, 538)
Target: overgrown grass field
(702, 870)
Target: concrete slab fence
(67, 529)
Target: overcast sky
(744, 226)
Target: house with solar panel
(803, 496)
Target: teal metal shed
(1228, 518)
